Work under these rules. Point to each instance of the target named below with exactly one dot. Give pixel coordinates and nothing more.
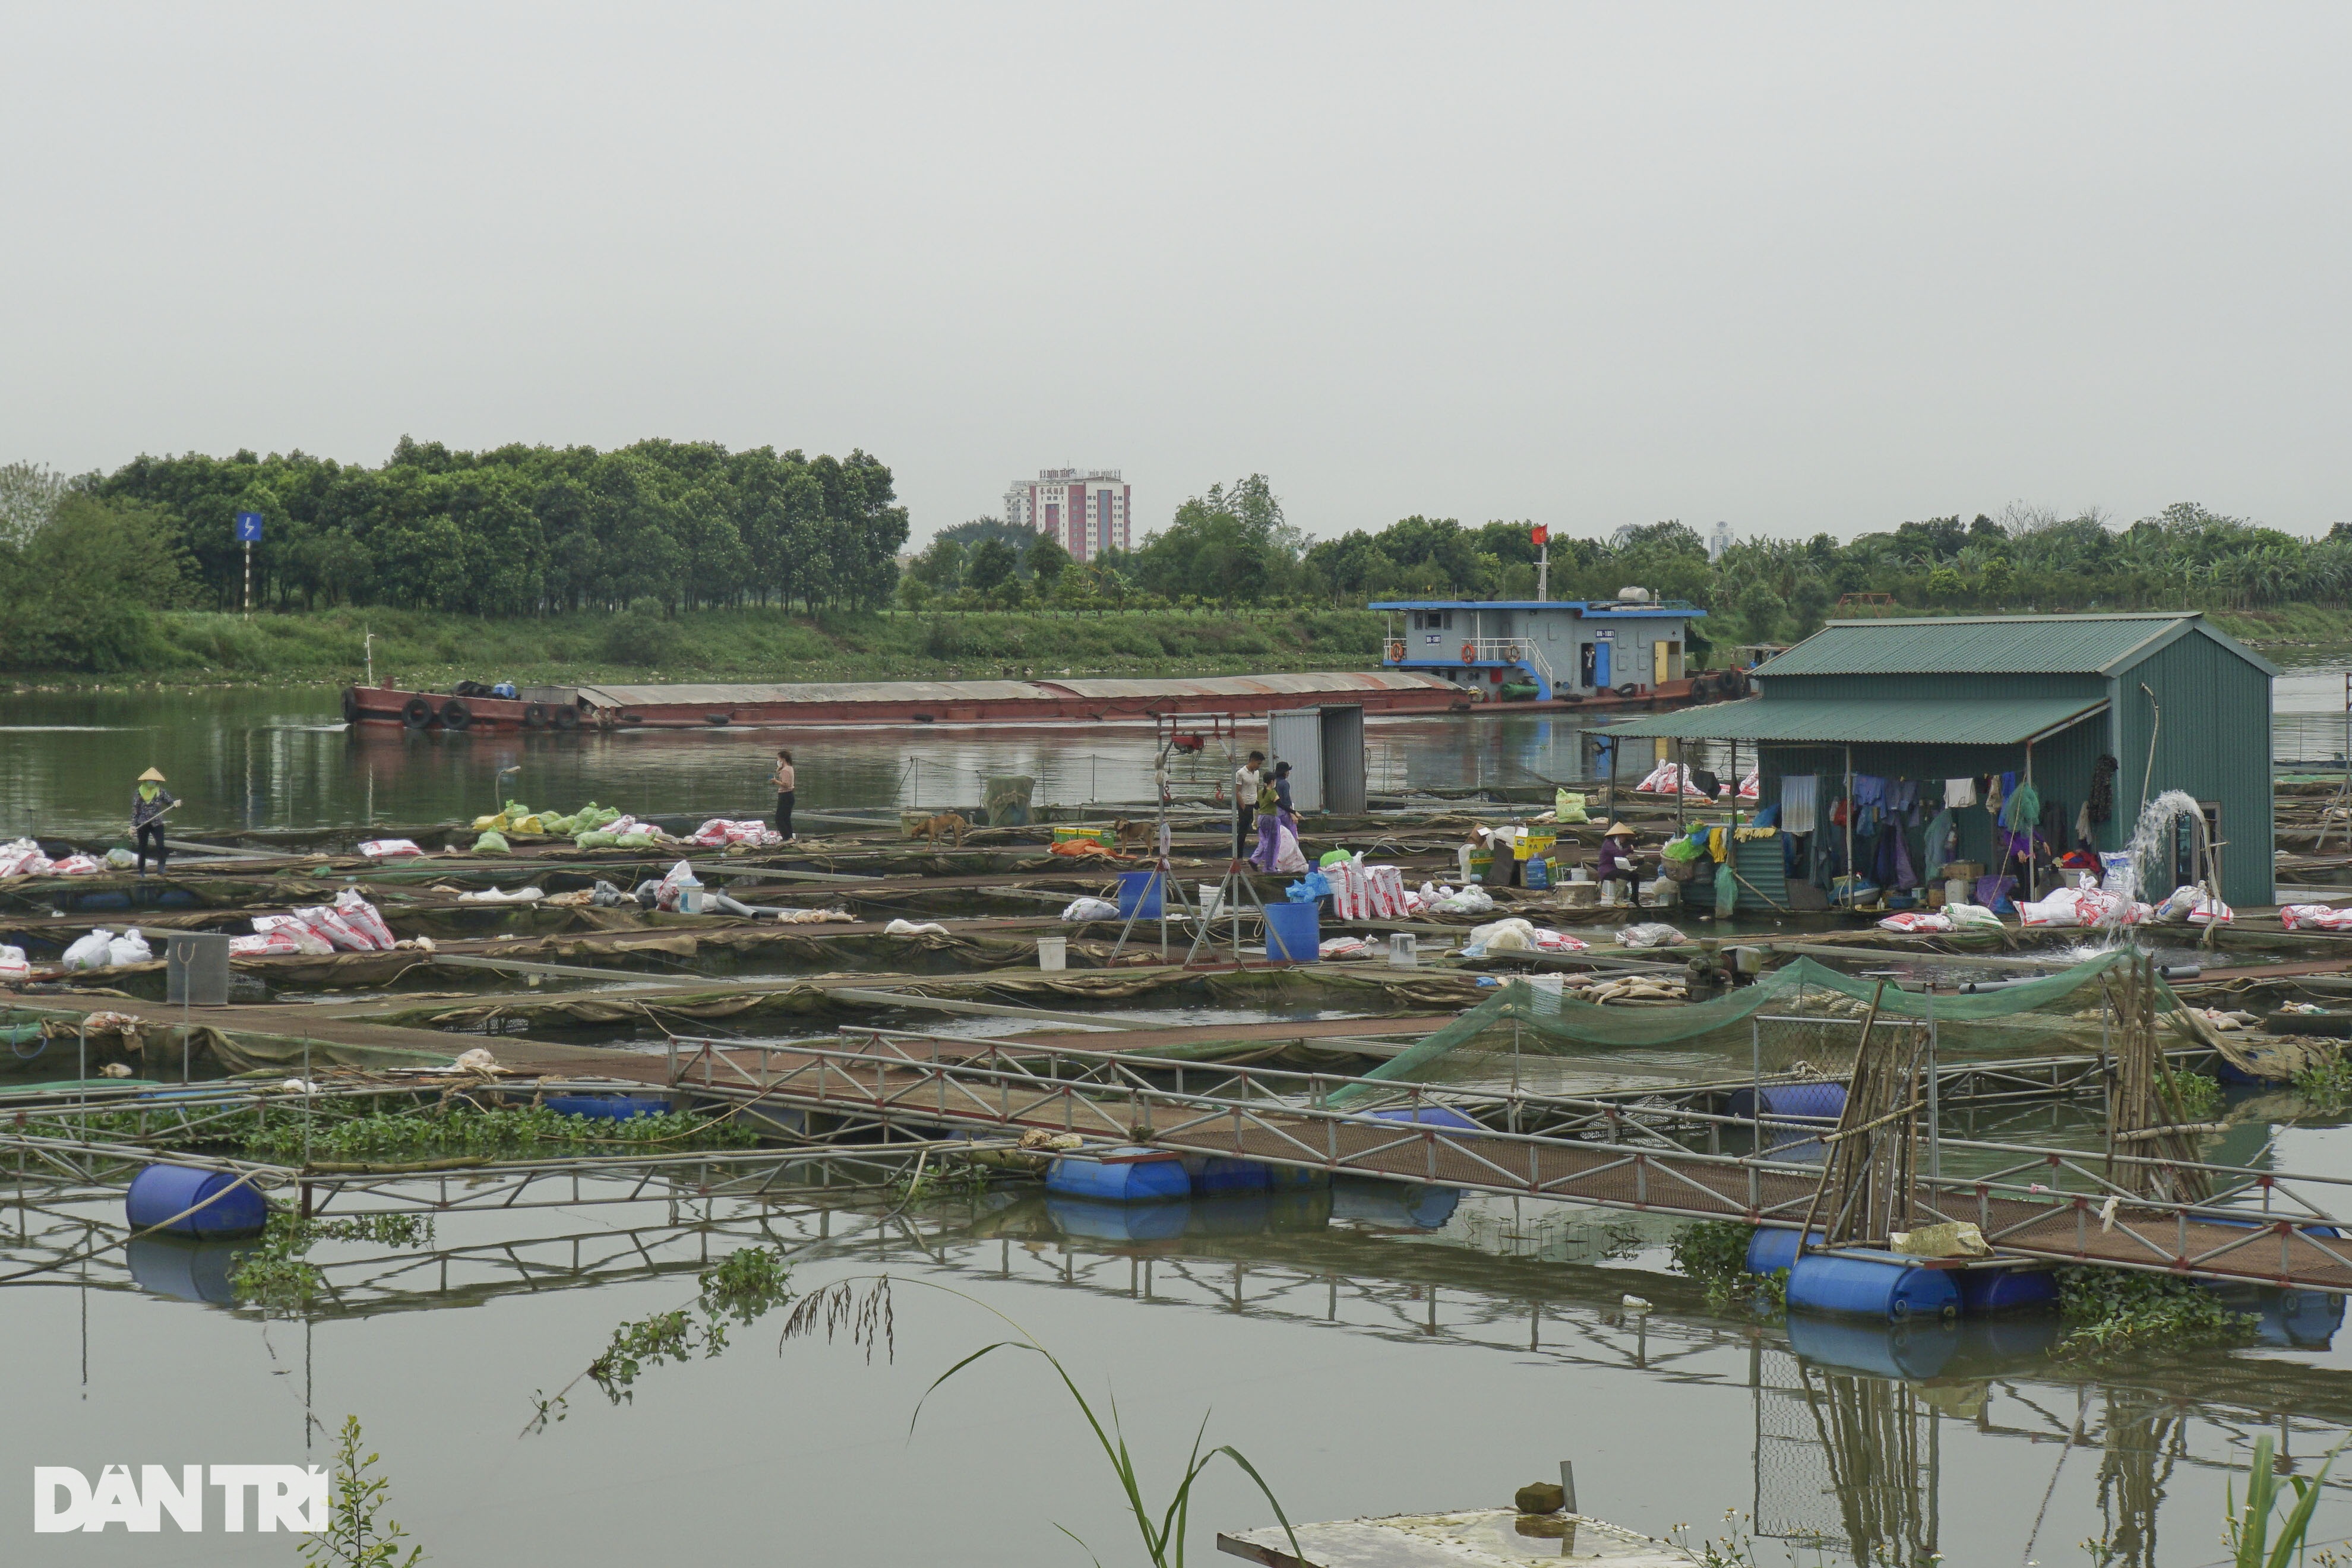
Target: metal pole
(1756, 1081)
(1935, 1118)
(1849, 827)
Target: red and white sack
(1747, 787)
(304, 939)
(390, 848)
(334, 928)
(2207, 910)
(1559, 941)
(2061, 909)
(712, 834)
(24, 858)
(1388, 892)
(1343, 947)
(2316, 917)
(1916, 921)
(77, 866)
(363, 918)
(264, 944)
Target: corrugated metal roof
(1332, 683)
(1339, 684)
(1960, 722)
(1990, 645)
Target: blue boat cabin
(1566, 648)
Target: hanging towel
(1903, 876)
(2083, 823)
(1959, 792)
(1800, 800)
(1995, 786)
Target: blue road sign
(248, 526)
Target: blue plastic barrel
(1809, 1102)
(161, 1193)
(607, 1107)
(1231, 1214)
(1986, 1290)
(1154, 1179)
(1899, 1350)
(1293, 932)
(1769, 1250)
(1871, 1287)
(1139, 894)
(1219, 1173)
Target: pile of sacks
(1361, 892)
(1666, 778)
(719, 833)
(1517, 935)
(2087, 904)
(104, 950)
(2315, 916)
(619, 832)
(1951, 917)
(517, 817)
(350, 924)
(24, 858)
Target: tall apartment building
(1086, 509)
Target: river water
(1372, 1352)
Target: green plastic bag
(1681, 850)
(555, 827)
(493, 843)
(594, 839)
(1727, 891)
(1569, 806)
(1333, 857)
(634, 841)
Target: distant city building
(1086, 509)
(1719, 542)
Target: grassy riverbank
(430, 649)
(433, 649)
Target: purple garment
(1269, 840)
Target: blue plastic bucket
(1871, 1287)
(1138, 895)
(160, 1192)
(1293, 932)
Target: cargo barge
(845, 704)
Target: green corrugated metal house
(1963, 697)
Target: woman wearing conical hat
(1616, 861)
(149, 802)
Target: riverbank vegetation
(686, 558)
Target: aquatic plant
(2116, 1310)
(1714, 1253)
(2200, 1094)
(1735, 1547)
(353, 1538)
(1163, 1533)
(276, 1274)
(2248, 1533)
(391, 1137)
(2325, 1084)
(740, 1288)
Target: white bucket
(690, 898)
(1053, 953)
(1957, 890)
(1212, 901)
(1404, 949)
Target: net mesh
(1796, 1021)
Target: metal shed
(2171, 702)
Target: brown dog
(930, 828)
(1125, 833)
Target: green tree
(991, 561)
(1809, 605)
(1045, 560)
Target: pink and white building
(1086, 509)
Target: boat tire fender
(455, 714)
(416, 713)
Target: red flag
(1540, 534)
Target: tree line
(1233, 547)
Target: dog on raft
(932, 827)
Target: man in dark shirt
(149, 802)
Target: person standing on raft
(784, 782)
(149, 802)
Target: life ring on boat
(455, 714)
(1469, 653)
(416, 713)
(1630, 689)
(1396, 651)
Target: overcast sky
(1799, 268)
